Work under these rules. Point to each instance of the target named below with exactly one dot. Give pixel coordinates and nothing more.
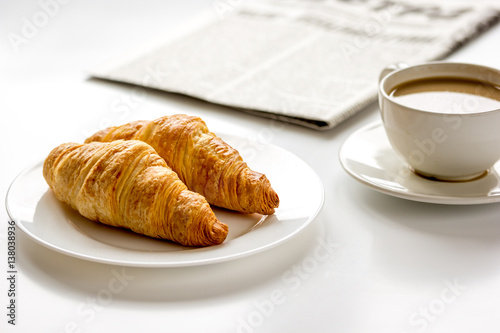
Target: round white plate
(368, 157)
(35, 209)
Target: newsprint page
(310, 62)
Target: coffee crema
(447, 95)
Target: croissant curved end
(267, 196)
(271, 200)
(218, 233)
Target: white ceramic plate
(35, 209)
(368, 157)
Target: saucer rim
(410, 195)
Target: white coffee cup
(446, 146)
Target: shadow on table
(83, 279)
(417, 241)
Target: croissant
(203, 161)
(127, 184)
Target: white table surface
(396, 265)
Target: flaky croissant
(203, 161)
(127, 184)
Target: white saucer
(368, 157)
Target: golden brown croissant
(127, 184)
(203, 161)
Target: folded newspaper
(314, 63)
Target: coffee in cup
(447, 95)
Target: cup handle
(391, 68)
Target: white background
(394, 265)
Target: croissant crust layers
(127, 184)
(202, 160)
